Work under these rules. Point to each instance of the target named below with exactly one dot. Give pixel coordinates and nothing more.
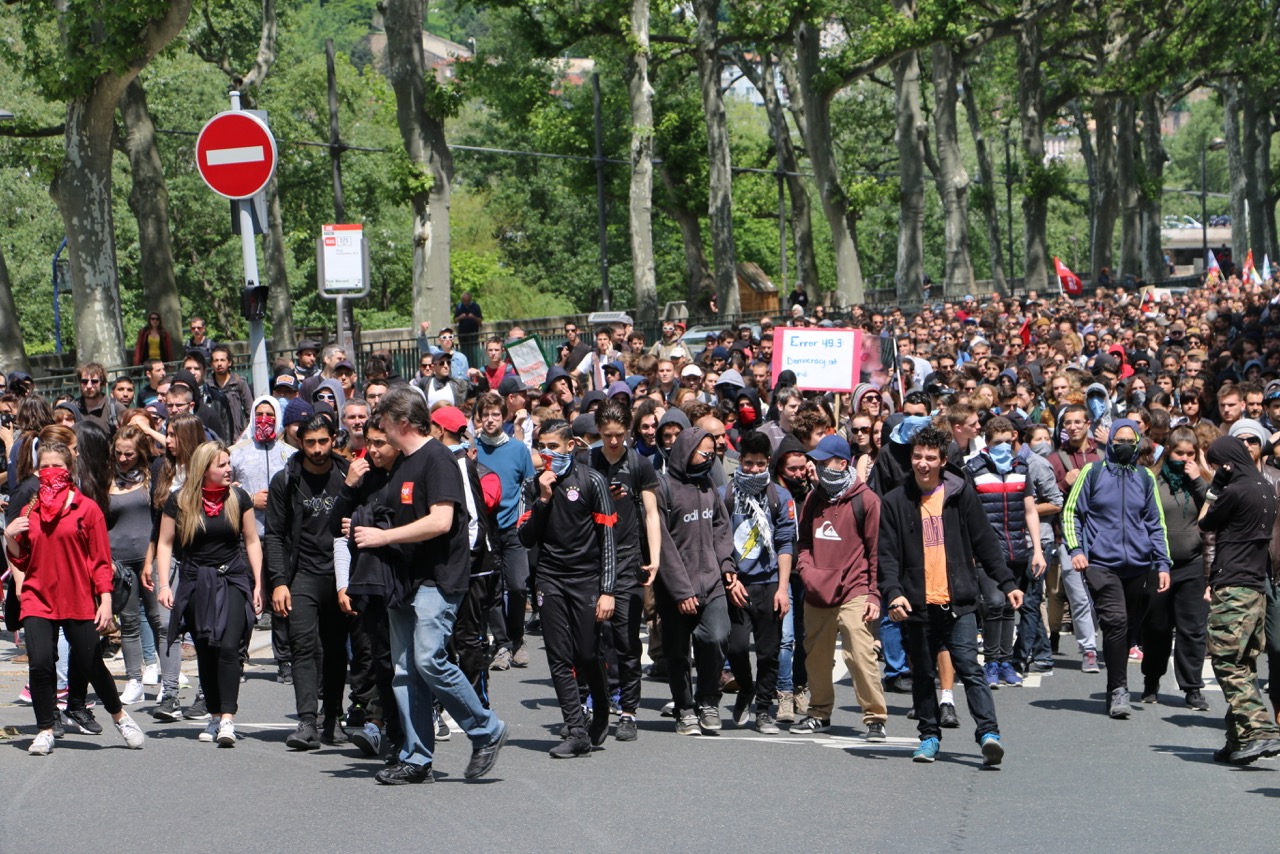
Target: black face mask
(701, 469)
(1124, 454)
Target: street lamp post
(1215, 145)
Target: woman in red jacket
(61, 558)
(153, 342)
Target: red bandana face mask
(212, 499)
(54, 485)
(264, 428)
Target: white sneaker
(369, 739)
(151, 674)
(227, 733)
(210, 730)
(43, 745)
(133, 693)
(182, 678)
(130, 732)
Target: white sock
(948, 696)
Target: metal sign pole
(257, 326)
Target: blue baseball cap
(830, 447)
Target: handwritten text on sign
(822, 359)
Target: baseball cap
(450, 418)
(511, 384)
(719, 353)
(584, 425)
(1273, 390)
(297, 411)
(187, 379)
(829, 448)
(616, 367)
(288, 381)
(691, 371)
(345, 363)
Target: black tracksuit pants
(571, 636)
(86, 665)
(319, 640)
(757, 617)
(371, 668)
(470, 640)
(708, 630)
(620, 640)
(1180, 609)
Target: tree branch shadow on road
(1266, 793)
(1091, 705)
(1200, 720)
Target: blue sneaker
(1008, 675)
(992, 670)
(927, 751)
(992, 749)
(615, 703)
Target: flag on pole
(1250, 271)
(1266, 268)
(1070, 282)
(1212, 272)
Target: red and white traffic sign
(236, 154)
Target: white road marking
(230, 156)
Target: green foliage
(1045, 180)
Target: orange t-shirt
(936, 589)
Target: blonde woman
(209, 526)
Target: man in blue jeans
(428, 552)
(932, 530)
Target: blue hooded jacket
(1113, 515)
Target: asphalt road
(1072, 780)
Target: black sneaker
(899, 684)
(81, 721)
(1196, 701)
(484, 758)
(58, 729)
(1252, 751)
(1223, 754)
(947, 717)
(709, 718)
(443, 733)
(572, 747)
(875, 732)
(810, 724)
(626, 729)
(168, 710)
(331, 731)
(403, 773)
(284, 673)
(1150, 693)
(304, 737)
(198, 711)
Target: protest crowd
(992, 485)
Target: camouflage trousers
(1237, 635)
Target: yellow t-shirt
(936, 589)
(153, 346)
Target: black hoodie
(1242, 518)
(697, 543)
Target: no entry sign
(236, 154)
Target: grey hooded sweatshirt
(254, 463)
(697, 543)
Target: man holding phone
(633, 485)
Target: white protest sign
(527, 359)
(822, 359)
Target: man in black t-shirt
(638, 537)
(426, 496)
(301, 578)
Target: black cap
(306, 344)
(511, 384)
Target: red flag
(1025, 334)
(1071, 283)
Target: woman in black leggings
(61, 559)
(209, 525)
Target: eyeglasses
(706, 455)
(860, 429)
(1252, 440)
(569, 330)
(90, 381)
(154, 317)
(197, 329)
(446, 337)
(327, 397)
(424, 364)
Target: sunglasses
(91, 381)
(706, 455)
(569, 330)
(328, 397)
(446, 337)
(197, 329)
(861, 429)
